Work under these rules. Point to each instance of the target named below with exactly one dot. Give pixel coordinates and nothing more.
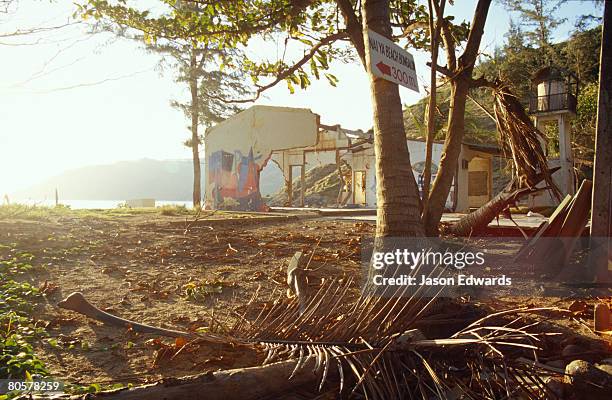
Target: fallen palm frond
(368, 346)
(524, 144)
(520, 139)
(372, 344)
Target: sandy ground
(141, 267)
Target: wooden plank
(528, 246)
(555, 222)
(568, 198)
(576, 219)
(537, 249)
(541, 249)
(578, 215)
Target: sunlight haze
(70, 99)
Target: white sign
(389, 61)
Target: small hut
(553, 90)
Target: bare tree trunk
(460, 85)
(195, 139)
(431, 120)
(398, 204)
(449, 159)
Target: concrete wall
(472, 161)
(237, 149)
(417, 158)
(480, 181)
(365, 161)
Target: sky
(70, 99)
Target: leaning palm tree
(521, 142)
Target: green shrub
(173, 210)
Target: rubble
(586, 381)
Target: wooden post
(342, 183)
(289, 183)
(56, 198)
(302, 184)
(602, 172)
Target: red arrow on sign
(384, 68)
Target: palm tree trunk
(398, 203)
(478, 220)
(195, 140)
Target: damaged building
(237, 150)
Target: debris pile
(340, 344)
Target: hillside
(322, 187)
(146, 178)
(515, 63)
(479, 127)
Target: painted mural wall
(235, 176)
(237, 149)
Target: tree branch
(447, 37)
(353, 28)
(444, 70)
(474, 83)
(470, 53)
(32, 31)
(289, 71)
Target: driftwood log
(250, 383)
(77, 302)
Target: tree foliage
(312, 33)
(538, 18)
(515, 62)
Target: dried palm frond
(370, 346)
(520, 139)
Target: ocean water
(96, 204)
